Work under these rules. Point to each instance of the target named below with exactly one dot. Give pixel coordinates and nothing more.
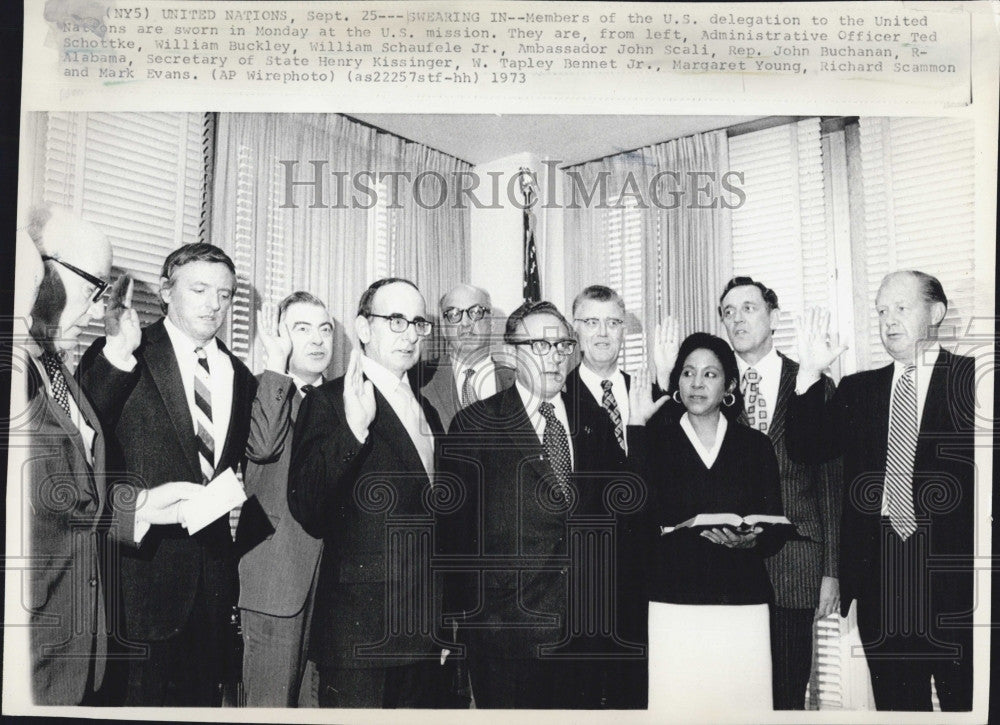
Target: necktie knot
(606, 385)
(469, 372)
(306, 389)
(751, 375)
(202, 356)
(910, 371)
(548, 411)
(52, 362)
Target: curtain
(662, 260)
(287, 208)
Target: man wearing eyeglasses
(65, 473)
(177, 403)
(527, 473)
(362, 457)
(468, 372)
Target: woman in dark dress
(709, 643)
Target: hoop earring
(676, 396)
(732, 400)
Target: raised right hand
(276, 346)
(816, 351)
(640, 398)
(359, 398)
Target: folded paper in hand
(217, 499)
(739, 524)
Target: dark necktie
(899, 457)
(556, 447)
(611, 405)
(468, 394)
(203, 406)
(52, 363)
(307, 388)
(756, 405)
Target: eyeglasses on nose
(398, 323)
(99, 284)
(542, 347)
(454, 314)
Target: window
(141, 177)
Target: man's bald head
(466, 335)
(74, 249)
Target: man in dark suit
(468, 372)
(529, 479)
(360, 477)
(803, 573)
(906, 435)
(278, 575)
(178, 410)
(65, 479)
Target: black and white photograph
(666, 416)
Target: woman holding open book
(708, 590)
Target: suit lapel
(161, 361)
(90, 416)
(391, 430)
(880, 410)
(935, 414)
(522, 433)
(786, 388)
(241, 387)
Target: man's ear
(775, 318)
(362, 328)
(938, 311)
(165, 290)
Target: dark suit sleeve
(325, 458)
(106, 386)
(813, 431)
(829, 481)
(270, 417)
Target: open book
(738, 524)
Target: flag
(532, 287)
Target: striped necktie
(756, 405)
(52, 363)
(468, 394)
(556, 447)
(203, 416)
(901, 450)
(611, 405)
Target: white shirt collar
(300, 383)
(707, 455)
(381, 377)
(768, 366)
(593, 381)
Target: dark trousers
(791, 656)
(904, 643)
(417, 685)
(187, 669)
(553, 684)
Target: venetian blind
(624, 240)
(141, 178)
(779, 232)
(918, 177)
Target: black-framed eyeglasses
(592, 323)
(398, 323)
(475, 313)
(99, 284)
(542, 347)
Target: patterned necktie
(899, 457)
(556, 447)
(611, 405)
(756, 405)
(203, 416)
(468, 394)
(53, 368)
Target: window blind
(779, 233)
(623, 232)
(141, 178)
(918, 177)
